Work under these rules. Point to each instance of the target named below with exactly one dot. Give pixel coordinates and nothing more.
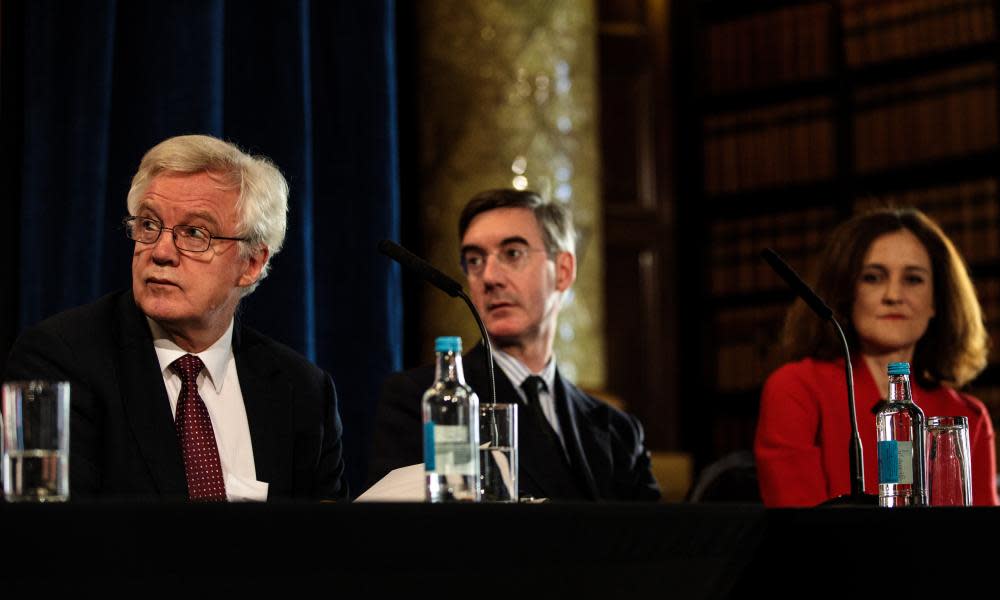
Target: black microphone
(857, 495)
(446, 284)
(421, 267)
(795, 282)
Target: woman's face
(894, 294)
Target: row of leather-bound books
(792, 142)
(938, 115)
(793, 43)
(968, 212)
(768, 48)
(882, 30)
(915, 121)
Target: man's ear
(565, 270)
(255, 264)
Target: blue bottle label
(888, 462)
(429, 447)
(453, 451)
(895, 462)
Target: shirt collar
(216, 357)
(516, 371)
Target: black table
(514, 551)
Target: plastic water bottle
(900, 425)
(451, 429)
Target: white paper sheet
(405, 484)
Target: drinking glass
(949, 474)
(498, 452)
(36, 441)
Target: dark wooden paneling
(635, 345)
(625, 122)
(636, 151)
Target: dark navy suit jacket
(122, 437)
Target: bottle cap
(448, 344)
(899, 368)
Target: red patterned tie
(196, 436)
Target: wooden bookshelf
(803, 113)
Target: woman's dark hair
(955, 346)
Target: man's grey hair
(262, 205)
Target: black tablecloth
(616, 550)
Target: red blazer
(804, 431)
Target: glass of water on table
(35, 441)
(498, 452)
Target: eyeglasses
(186, 237)
(511, 257)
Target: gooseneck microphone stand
(447, 285)
(857, 496)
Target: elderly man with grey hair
(519, 257)
(172, 397)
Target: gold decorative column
(508, 99)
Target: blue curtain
(89, 86)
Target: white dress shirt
(516, 371)
(219, 388)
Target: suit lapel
(268, 402)
(589, 449)
(145, 402)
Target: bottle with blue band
(900, 430)
(450, 429)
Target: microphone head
(421, 267)
(800, 287)
(387, 247)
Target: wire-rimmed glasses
(190, 238)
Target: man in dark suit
(518, 253)
(172, 397)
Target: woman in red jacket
(902, 293)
